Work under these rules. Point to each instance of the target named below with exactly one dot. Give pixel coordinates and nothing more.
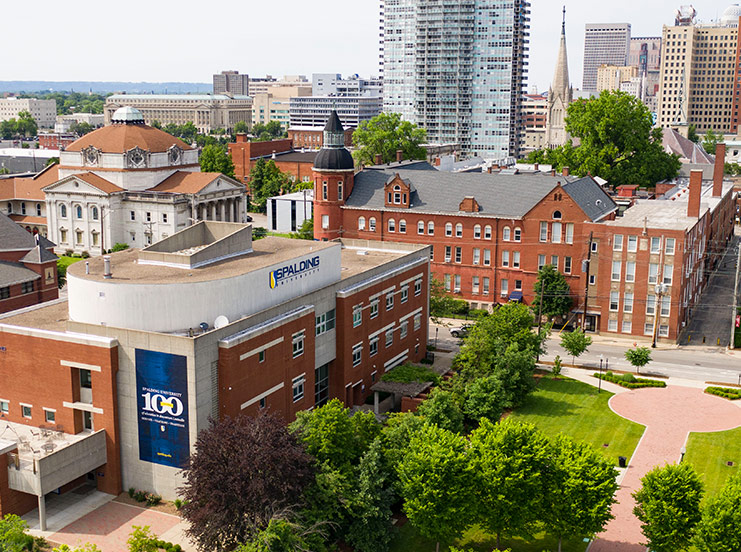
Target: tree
(242, 472)
(118, 246)
(87, 547)
(507, 461)
(692, 134)
(441, 302)
(556, 294)
(266, 181)
(26, 125)
(616, 142)
(383, 135)
(575, 343)
(638, 357)
(442, 409)
(52, 161)
(216, 159)
(241, 127)
(580, 490)
(305, 231)
(437, 484)
(156, 124)
(81, 128)
(483, 399)
(142, 539)
(668, 506)
(710, 140)
(13, 536)
(282, 535)
(720, 528)
(732, 169)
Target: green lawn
(409, 540)
(567, 406)
(66, 261)
(709, 452)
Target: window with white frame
(668, 272)
(543, 231)
(630, 271)
(446, 282)
(617, 242)
(655, 245)
(417, 287)
(506, 233)
(50, 416)
(516, 259)
(486, 285)
(325, 322)
(431, 228)
(595, 246)
(653, 273)
(556, 232)
(632, 244)
(475, 284)
(477, 232)
(554, 261)
(666, 305)
(298, 343)
(518, 234)
(374, 307)
(372, 224)
(420, 227)
(458, 254)
(616, 270)
(404, 329)
(651, 304)
(663, 330)
(541, 261)
(487, 232)
(569, 232)
(402, 226)
(4, 407)
(417, 321)
(357, 355)
(373, 346)
(505, 258)
(628, 302)
(448, 253)
(518, 285)
(567, 265)
(614, 300)
(627, 326)
(357, 316)
(670, 245)
(392, 225)
(592, 279)
(457, 280)
(389, 301)
(325, 222)
(404, 293)
(448, 229)
(476, 255)
(298, 387)
(612, 325)
(340, 194)
(389, 338)
(648, 328)
(361, 223)
(487, 257)
(26, 411)
(504, 286)
(459, 230)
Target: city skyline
(110, 29)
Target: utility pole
(540, 316)
(735, 297)
(586, 282)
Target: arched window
(38, 209)
(557, 215)
(361, 223)
(518, 234)
(431, 228)
(392, 225)
(372, 224)
(487, 232)
(448, 229)
(421, 227)
(506, 233)
(403, 226)
(94, 212)
(477, 232)
(23, 207)
(63, 210)
(397, 194)
(459, 230)
(78, 211)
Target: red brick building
(56, 140)
(313, 138)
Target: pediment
(73, 185)
(220, 184)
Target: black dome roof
(337, 159)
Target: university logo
(290, 272)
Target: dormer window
(397, 195)
(398, 192)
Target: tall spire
(561, 77)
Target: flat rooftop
(36, 442)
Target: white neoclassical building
(135, 184)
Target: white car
(460, 331)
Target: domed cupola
(334, 156)
(127, 116)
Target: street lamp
(660, 289)
(599, 383)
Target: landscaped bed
(725, 392)
(629, 380)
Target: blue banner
(162, 407)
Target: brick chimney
(565, 171)
(553, 172)
(535, 167)
(719, 169)
(241, 137)
(693, 205)
(379, 159)
(399, 156)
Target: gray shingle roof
(39, 255)
(13, 273)
(13, 236)
(590, 196)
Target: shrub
(725, 392)
(85, 255)
(634, 383)
(68, 253)
(140, 496)
(132, 491)
(178, 503)
(556, 366)
(119, 247)
(153, 499)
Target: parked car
(248, 218)
(460, 331)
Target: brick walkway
(669, 415)
(110, 525)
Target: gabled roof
(29, 188)
(39, 255)
(685, 148)
(14, 237)
(98, 182)
(591, 197)
(14, 273)
(182, 182)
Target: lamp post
(599, 383)
(660, 289)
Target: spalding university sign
(293, 271)
(162, 407)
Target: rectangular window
(666, 305)
(417, 288)
(404, 329)
(554, 261)
(567, 265)
(612, 325)
(655, 245)
(541, 261)
(149, 216)
(373, 347)
(86, 379)
(627, 326)
(616, 270)
(457, 286)
(651, 304)
(653, 273)
(516, 259)
(298, 344)
(505, 258)
(4, 407)
(518, 285)
(132, 215)
(487, 257)
(446, 282)
(477, 232)
(614, 300)
(26, 411)
(617, 243)
(487, 232)
(628, 302)
(357, 316)
(374, 308)
(325, 222)
(630, 271)
(298, 387)
(417, 321)
(632, 244)
(26, 287)
(476, 255)
(569, 232)
(372, 224)
(648, 328)
(324, 190)
(670, 243)
(325, 322)
(50, 416)
(543, 231)
(594, 247)
(592, 279)
(458, 230)
(321, 385)
(663, 330)
(448, 253)
(389, 338)
(458, 254)
(404, 294)
(668, 272)
(357, 355)
(475, 284)
(504, 286)
(389, 301)
(486, 285)
(261, 356)
(556, 232)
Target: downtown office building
(458, 70)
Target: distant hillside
(105, 87)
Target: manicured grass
(280, 234)
(708, 454)
(567, 406)
(66, 261)
(408, 540)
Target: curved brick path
(669, 415)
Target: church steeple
(560, 95)
(561, 76)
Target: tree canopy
(616, 142)
(266, 181)
(215, 158)
(720, 528)
(24, 126)
(555, 291)
(638, 357)
(575, 343)
(383, 135)
(710, 139)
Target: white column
(42, 513)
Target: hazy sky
(157, 40)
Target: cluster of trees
(672, 517)
(267, 180)
(383, 135)
(216, 158)
(616, 141)
(73, 102)
(81, 128)
(262, 132)
(23, 127)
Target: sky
(163, 41)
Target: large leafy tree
(720, 528)
(443, 410)
(437, 484)
(668, 505)
(615, 140)
(552, 289)
(710, 139)
(383, 135)
(242, 472)
(580, 486)
(215, 158)
(507, 461)
(26, 125)
(266, 181)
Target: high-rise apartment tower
(231, 82)
(604, 44)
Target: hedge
(725, 392)
(630, 381)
